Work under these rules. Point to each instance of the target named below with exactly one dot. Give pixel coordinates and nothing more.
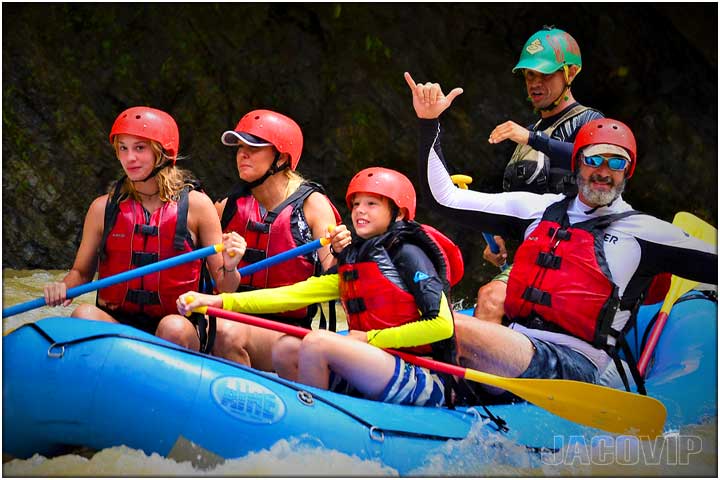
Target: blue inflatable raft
(69, 383)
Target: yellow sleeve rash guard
(326, 288)
(417, 333)
(281, 299)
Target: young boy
(391, 282)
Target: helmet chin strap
(274, 168)
(394, 212)
(563, 95)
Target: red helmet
(268, 127)
(149, 123)
(606, 130)
(385, 182)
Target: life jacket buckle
(350, 275)
(563, 234)
(537, 296)
(254, 255)
(548, 260)
(140, 259)
(355, 305)
(560, 234)
(142, 297)
(147, 230)
(260, 227)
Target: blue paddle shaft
(167, 263)
(281, 257)
(494, 248)
(119, 278)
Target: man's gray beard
(599, 198)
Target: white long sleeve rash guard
(636, 247)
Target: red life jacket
(560, 280)
(372, 291)
(271, 234)
(132, 238)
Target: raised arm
(503, 214)
(429, 100)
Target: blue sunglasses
(615, 163)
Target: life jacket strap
(254, 255)
(355, 305)
(142, 297)
(181, 230)
(259, 227)
(140, 259)
(350, 275)
(329, 322)
(147, 230)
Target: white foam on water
(284, 459)
(482, 454)
(690, 452)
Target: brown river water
(466, 458)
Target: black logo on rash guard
(608, 238)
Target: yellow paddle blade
(605, 408)
(699, 229)
(696, 227)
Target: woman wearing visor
(275, 209)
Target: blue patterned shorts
(409, 385)
(413, 385)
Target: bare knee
(90, 312)
(285, 356)
(179, 330)
(491, 301)
(316, 343)
(229, 335)
(231, 342)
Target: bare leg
(179, 330)
(285, 357)
(490, 304)
(91, 312)
(491, 348)
(245, 344)
(367, 368)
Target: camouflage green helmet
(548, 50)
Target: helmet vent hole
(137, 117)
(257, 117)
